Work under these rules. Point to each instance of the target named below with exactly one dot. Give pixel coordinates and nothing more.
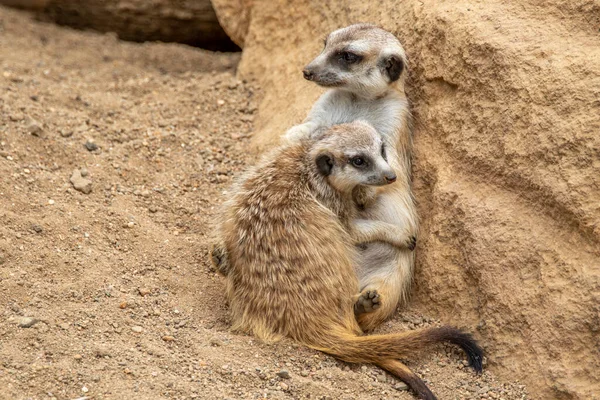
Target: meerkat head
(363, 59)
(352, 154)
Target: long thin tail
(413, 381)
(374, 348)
(385, 350)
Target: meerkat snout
(308, 74)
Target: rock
(78, 357)
(27, 322)
(80, 183)
(284, 374)
(401, 386)
(496, 124)
(91, 146)
(234, 17)
(66, 133)
(34, 128)
(101, 352)
(187, 21)
(37, 228)
(137, 329)
(168, 338)
(284, 386)
(144, 291)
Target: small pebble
(51, 202)
(144, 291)
(284, 386)
(137, 329)
(80, 183)
(27, 322)
(78, 357)
(168, 338)
(284, 374)
(91, 146)
(401, 386)
(37, 228)
(35, 128)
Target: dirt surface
(506, 100)
(110, 294)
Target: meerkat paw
(297, 133)
(219, 259)
(368, 301)
(411, 243)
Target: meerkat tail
(407, 376)
(375, 348)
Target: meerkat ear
(324, 164)
(393, 67)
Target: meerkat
(289, 231)
(364, 68)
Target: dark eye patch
(348, 57)
(359, 161)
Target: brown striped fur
(289, 238)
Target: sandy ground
(110, 294)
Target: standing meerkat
(290, 230)
(364, 67)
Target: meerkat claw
(412, 243)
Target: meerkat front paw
(297, 133)
(368, 301)
(219, 259)
(411, 243)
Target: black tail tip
(469, 345)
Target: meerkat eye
(349, 57)
(358, 162)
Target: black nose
(308, 74)
(390, 178)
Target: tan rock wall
(506, 98)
